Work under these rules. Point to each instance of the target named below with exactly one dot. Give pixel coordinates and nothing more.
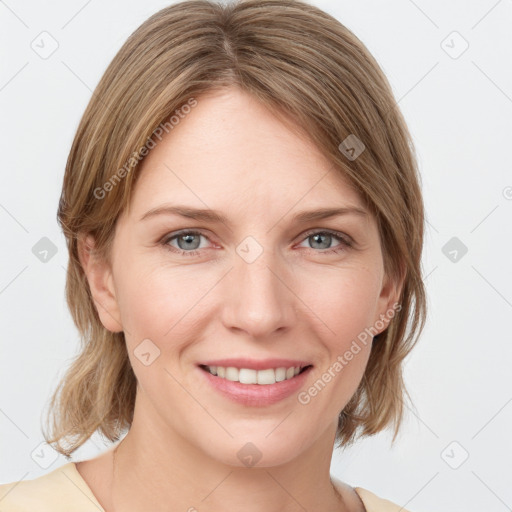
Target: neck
(159, 469)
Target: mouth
(262, 377)
(255, 383)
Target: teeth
(249, 376)
(245, 376)
(280, 374)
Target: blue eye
(185, 239)
(189, 242)
(323, 237)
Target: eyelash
(344, 245)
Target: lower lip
(256, 395)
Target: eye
(188, 242)
(322, 240)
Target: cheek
(345, 300)
(162, 304)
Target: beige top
(64, 489)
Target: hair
(298, 61)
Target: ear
(388, 301)
(101, 283)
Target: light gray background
(459, 110)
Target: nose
(259, 297)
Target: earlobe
(101, 283)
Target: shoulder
(55, 491)
(366, 498)
(374, 503)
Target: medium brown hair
(295, 59)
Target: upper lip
(254, 364)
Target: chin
(260, 450)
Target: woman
(245, 224)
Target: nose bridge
(258, 301)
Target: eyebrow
(207, 215)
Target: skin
(294, 301)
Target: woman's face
(262, 284)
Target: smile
(251, 376)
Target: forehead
(232, 150)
